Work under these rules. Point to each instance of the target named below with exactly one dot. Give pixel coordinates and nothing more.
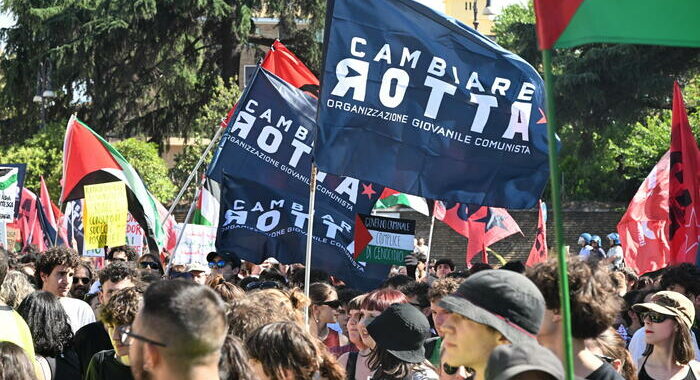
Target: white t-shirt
(79, 312)
(638, 345)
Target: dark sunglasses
(125, 336)
(655, 317)
(83, 280)
(262, 285)
(606, 358)
(332, 304)
(217, 264)
(149, 264)
(185, 275)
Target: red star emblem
(368, 190)
(543, 120)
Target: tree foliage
(145, 67)
(613, 103)
(143, 156)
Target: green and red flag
(89, 159)
(390, 198)
(570, 23)
(207, 211)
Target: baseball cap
(507, 361)
(670, 303)
(228, 256)
(504, 300)
(197, 267)
(401, 329)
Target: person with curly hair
(48, 323)
(594, 307)
(14, 363)
(54, 274)
(93, 337)
(15, 288)
(14, 329)
(441, 288)
(118, 313)
(121, 253)
(286, 351)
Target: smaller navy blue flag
(421, 103)
(258, 222)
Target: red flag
(487, 226)
(684, 199)
(48, 206)
(30, 226)
(282, 62)
(456, 216)
(644, 227)
(538, 253)
(168, 227)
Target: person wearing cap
(594, 308)
(490, 308)
(443, 267)
(523, 361)
(669, 353)
(226, 264)
(199, 272)
(399, 333)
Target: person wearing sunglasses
(225, 264)
(82, 279)
(117, 315)
(150, 263)
(324, 310)
(669, 354)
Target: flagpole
(182, 232)
(58, 228)
(309, 239)
(556, 205)
(430, 242)
(193, 173)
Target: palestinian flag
(89, 159)
(569, 23)
(392, 197)
(207, 211)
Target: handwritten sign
(104, 215)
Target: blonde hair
(15, 288)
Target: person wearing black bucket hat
(490, 308)
(523, 361)
(399, 333)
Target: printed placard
(104, 215)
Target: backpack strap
(351, 365)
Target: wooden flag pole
(556, 206)
(430, 243)
(309, 239)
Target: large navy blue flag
(257, 222)
(420, 102)
(268, 141)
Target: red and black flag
(538, 253)
(684, 199)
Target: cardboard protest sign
(104, 215)
(383, 240)
(196, 243)
(134, 235)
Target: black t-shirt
(105, 366)
(89, 340)
(605, 372)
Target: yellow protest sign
(104, 215)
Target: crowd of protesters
(60, 318)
